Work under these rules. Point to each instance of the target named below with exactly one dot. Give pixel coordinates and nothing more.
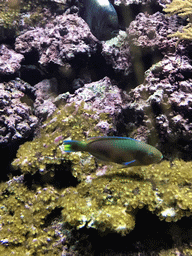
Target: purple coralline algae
(60, 41)
(150, 31)
(101, 96)
(142, 2)
(117, 53)
(161, 107)
(45, 92)
(9, 60)
(16, 121)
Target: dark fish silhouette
(102, 18)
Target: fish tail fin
(73, 146)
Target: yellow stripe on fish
(121, 150)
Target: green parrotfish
(121, 150)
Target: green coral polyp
(23, 212)
(108, 202)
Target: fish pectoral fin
(126, 164)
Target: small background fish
(121, 150)
(101, 17)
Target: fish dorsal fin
(92, 139)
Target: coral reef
(108, 199)
(129, 2)
(137, 2)
(17, 121)
(45, 153)
(45, 92)
(183, 9)
(117, 53)
(146, 35)
(19, 15)
(101, 96)
(9, 60)
(70, 81)
(9, 18)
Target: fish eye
(151, 154)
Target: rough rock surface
(143, 2)
(9, 60)
(45, 92)
(16, 121)
(161, 107)
(60, 41)
(101, 96)
(150, 31)
(117, 53)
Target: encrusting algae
(107, 200)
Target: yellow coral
(108, 201)
(184, 9)
(185, 34)
(23, 212)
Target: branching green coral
(45, 152)
(183, 9)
